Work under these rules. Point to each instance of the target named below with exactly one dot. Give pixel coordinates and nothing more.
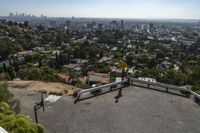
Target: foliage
(84, 86)
(8, 97)
(83, 51)
(36, 57)
(44, 74)
(16, 123)
(129, 59)
(174, 77)
(194, 76)
(100, 68)
(196, 88)
(5, 77)
(73, 78)
(153, 73)
(6, 48)
(10, 72)
(113, 77)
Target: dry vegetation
(50, 88)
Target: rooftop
(138, 110)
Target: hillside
(39, 86)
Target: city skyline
(151, 9)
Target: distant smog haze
(153, 9)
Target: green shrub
(8, 97)
(45, 74)
(84, 86)
(196, 88)
(16, 123)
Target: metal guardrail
(100, 87)
(131, 81)
(163, 85)
(196, 96)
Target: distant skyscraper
(90, 25)
(11, 14)
(122, 23)
(114, 22)
(52, 23)
(100, 26)
(151, 26)
(68, 23)
(94, 23)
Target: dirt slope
(50, 88)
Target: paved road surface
(139, 110)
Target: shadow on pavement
(99, 93)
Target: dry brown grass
(50, 88)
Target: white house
(147, 79)
(6, 62)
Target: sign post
(38, 106)
(123, 66)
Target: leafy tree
(144, 59)
(153, 73)
(194, 76)
(192, 62)
(8, 97)
(11, 72)
(26, 23)
(151, 63)
(173, 77)
(113, 77)
(117, 55)
(5, 77)
(6, 48)
(93, 51)
(100, 68)
(73, 78)
(44, 74)
(160, 54)
(129, 59)
(196, 88)
(16, 123)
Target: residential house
(98, 78)
(21, 55)
(104, 59)
(116, 70)
(74, 67)
(147, 79)
(39, 49)
(2, 62)
(165, 64)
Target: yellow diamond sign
(123, 65)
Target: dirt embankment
(50, 88)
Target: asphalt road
(138, 110)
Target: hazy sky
(174, 9)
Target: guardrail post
(129, 81)
(167, 90)
(111, 88)
(77, 99)
(42, 102)
(148, 86)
